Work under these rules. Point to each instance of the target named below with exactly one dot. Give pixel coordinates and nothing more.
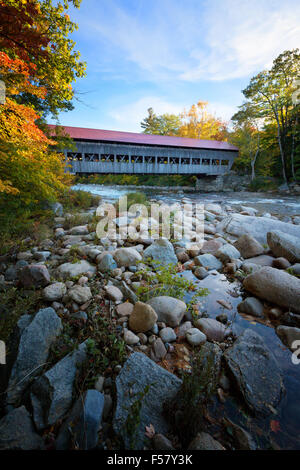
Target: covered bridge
(101, 151)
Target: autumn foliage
(34, 47)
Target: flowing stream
(286, 433)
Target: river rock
(195, 337)
(288, 335)
(51, 394)
(79, 230)
(137, 374)
(248, 246)
(252, 306)
(255, 372)
(83, 423)
(113, 293)
(34, 275)
(106, 263)
(258, 227)
(276, 286)
(213, 329)
(261, 260)
(130, 338)
(127, 257)
(210, 246)
(204, 441)
(158, 351)
(200, 272)
(169, 310)
(80, 294)
(35, 341)
(167, 335)
(161, 251)
(227, 252)
(284, 245)
(69, 270)
(125, 309)
(54, 291)
(142, 318)
(17, 431)
(214, 208)
(208, 261)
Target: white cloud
(198, 40)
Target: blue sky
(169, 54)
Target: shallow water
(220, 288)
(283, 205)
(288, 437)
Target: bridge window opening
(122, 158)
(91, 157)
(137, 159)
(205, 161)
(196, 161)
(162, 160)
(73, 156)
(215, 162)
(224, 162)
(185, 161)
(149, 159)
(174, 160)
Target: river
(285, 434)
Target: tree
(198, 123)
(270, 95)
(37, 64)
(37, 32)
(246, 136)
(164, 124)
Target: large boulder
(34, 345)
(248, 246)
(143, 318)
(83, 423)
(34, 275)
(69, 270)
(168, 309)
(137, 374)
(161, 251)
(258, 227)
(255, 372)
(127, 257)
(284, 245)
(17, 431)
(51, 394)
(276, 286)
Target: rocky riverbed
(108, 356)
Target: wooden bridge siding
(150, 168)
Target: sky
(170, 54)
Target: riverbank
(98, 304)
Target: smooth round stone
(195, 337)
(167, 335)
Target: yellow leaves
(198, 123)
(7, 187)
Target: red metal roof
(146, 139)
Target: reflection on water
(288, 437)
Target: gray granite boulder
(255, 372)
(137, 374)
(51, 394)
(284, 245)
(17, 431)
(35, 341)
(161, 251)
